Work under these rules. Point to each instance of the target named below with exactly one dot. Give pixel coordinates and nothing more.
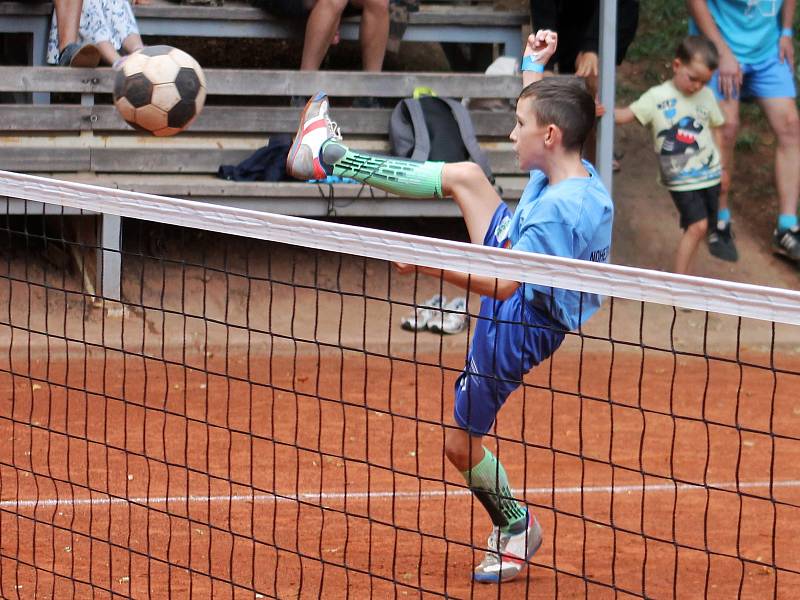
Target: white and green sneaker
(508, 554)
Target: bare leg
(320, 29)
(108, 53)
(374, 32)
(132, 43)
(687, 247)
(68, 15)
(476, 198)
(783, 118)
(730, 109)
(463, 450)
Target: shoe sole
(87, 57)
(781, 252)
(446, 330)
(299, 135)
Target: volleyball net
(215, 402)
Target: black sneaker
(79, 55)
(720, 244)
(787, 243)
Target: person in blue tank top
(564, 211)
(756, 61)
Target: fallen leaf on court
(412, 453)
(199, 531)
(124, 579)
(203, 386)
(749, 443)
(36, 386)
(259, 595)
(68, 548)
(130, 477)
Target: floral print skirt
(101, 21)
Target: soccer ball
(160, 89)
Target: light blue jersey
(751, 28)
(572, 219)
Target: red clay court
(253, 423)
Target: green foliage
(746, 141)
(662, 24)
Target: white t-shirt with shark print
(681, 126)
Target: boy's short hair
(565, 103)
(697, 46)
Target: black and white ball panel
(160, 89)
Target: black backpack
(433, 128)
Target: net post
(109, 258)
(608, 61)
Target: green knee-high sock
(396, 175)
(489, 482)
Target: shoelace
(497, 545)
(333, 129)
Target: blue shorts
(769, 79)
(510, 338)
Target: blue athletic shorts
(769, 79)
(510, 338)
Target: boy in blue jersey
(756, 61)
(564, 211)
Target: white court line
(399, 495)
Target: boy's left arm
(501, 289)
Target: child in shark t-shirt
(684, 117)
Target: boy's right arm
(624, 115)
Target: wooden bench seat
(444, 22)
(91, 137)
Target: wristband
(787, 32)
(528, 64)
